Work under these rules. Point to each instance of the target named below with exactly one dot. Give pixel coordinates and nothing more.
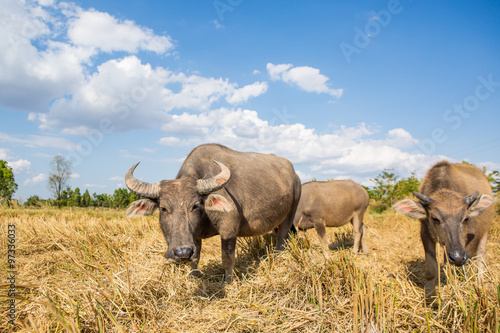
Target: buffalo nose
(457, 258)
(183, 252)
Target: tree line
(121, 198)
(388, 189)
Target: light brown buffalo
(453, 210)
(333, 204)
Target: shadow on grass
(416, 273)
(342, 239)
(250, 253)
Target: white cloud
(35, 180)
(94, 185)
(169, 141)
(74, 176)
(4, 154)
(47, 51)
(275, 71)
(303, 176)
(131, 95)
(94, 29)
(243, 94)
(344, 151)
(34, 141)
(490, 166)
(256, 72)
(48, 68)
(20, 165)
(305, 77)
(17, 166)
(116, 178)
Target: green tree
(86, 199)
(407, 185)
(388, 189)
(59, 178)
(75, 199)
(120, 198)
(7, 182)
(66, 195)
(33, 201)
(494, 179)
(102, 200)
(384, 189)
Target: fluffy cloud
(48, 49)
(35, 180)
(94, 29)
(341, 152)
(132, 95)
(305, 77)
(48, 68)
(243, 94)
(3, 153)
(17, 166)
(20, 165)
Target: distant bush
(33, 201)
(390, 190)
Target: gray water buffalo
(333, 204)
(219, 191)
(452, 207)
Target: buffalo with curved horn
(219, 191)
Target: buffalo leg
(481, 256)
(358, 233)
(321, 230)
(431, 264)
(283, 230)
(364, 243)
(194, 264)
(228, 247)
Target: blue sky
(343, 89)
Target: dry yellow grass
(95, 270)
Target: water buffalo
(333, 204)
(219, 191)
(453, 210)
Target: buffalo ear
(142, 207)
(480, 205)
(410, 208)
(218, 203)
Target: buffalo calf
(453, 209)
(333, 204)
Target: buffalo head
(447, 214)
(183, 204)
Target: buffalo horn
(423, 198)
(142, 189)
(206, 186)
(469, 200)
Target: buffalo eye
(195, 206)
(163, 210)
(437, 221)
(466, 219)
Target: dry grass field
(85, 270)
